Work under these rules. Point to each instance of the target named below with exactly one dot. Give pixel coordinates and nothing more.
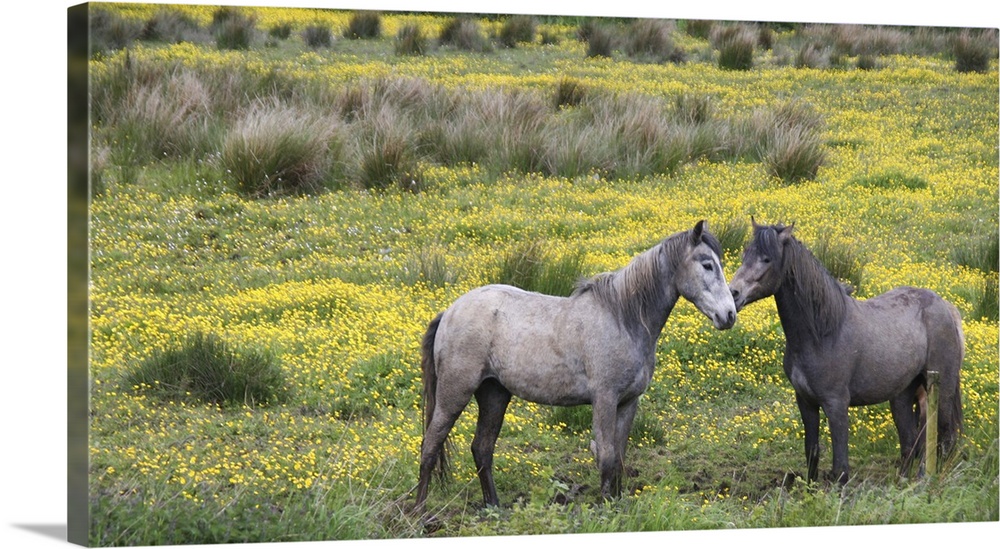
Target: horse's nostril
(736, 293)
(732, 317)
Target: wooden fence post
(930, 445)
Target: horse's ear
(696, 233)
(785, 232)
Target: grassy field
(298, 212)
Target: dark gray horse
(597, 346)
(842, 352)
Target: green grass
(335, 268)
(207, 369)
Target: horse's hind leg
(492, 398)
(906, 416)
(446, 412)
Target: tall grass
(110, 31)
(152, 112)
(569, 92)
(464, 33)
(274, 149)
(974, 49)
(650, 39)
(233, 29)
(317, 36)
(517, 29)
(173, 26)
(531, 266)
(600, 40)
(364, 25)
(410, 40)
(736, 45)
(843, 260)
(206, 368)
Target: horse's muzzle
(725, 322)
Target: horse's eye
(765, 259)
(708, 266)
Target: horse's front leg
(609, 461)
(810, 422)
(836, 413)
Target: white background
(33, 241)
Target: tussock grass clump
(600, 40)
(280, 31)
(650, 39)
(699, 28)
(364, 25)
(979, 252)
(570, 92)
(812, 56)
(429, 266)
(521, 265)
(867, 62)
(530, 266)
(166, 117)
(693, 109)
(786, 138)
(233, 29)
(973, 50)
(560, 274)
(275, 149)
(732, 234)
(205, 368)
(549, 38)
(317, 36)
(387, 157)
(841, 259)
(985, 299)
(410, 40)
(173, 26)
(872, 41)
(464, 33)
(795, 154)
(110, 31)
(736, 45)
(517, 29)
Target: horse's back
(895, 337)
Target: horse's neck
(654, 317)
(656, 301)
(811, 307)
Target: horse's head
(759, 275)
(700, 280)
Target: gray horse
(841, 352)
(597, 346)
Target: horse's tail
(950, 417)
(956, 401)
(430, 384)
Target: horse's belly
(556, 385)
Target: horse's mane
(633, 289)
(809, 281)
